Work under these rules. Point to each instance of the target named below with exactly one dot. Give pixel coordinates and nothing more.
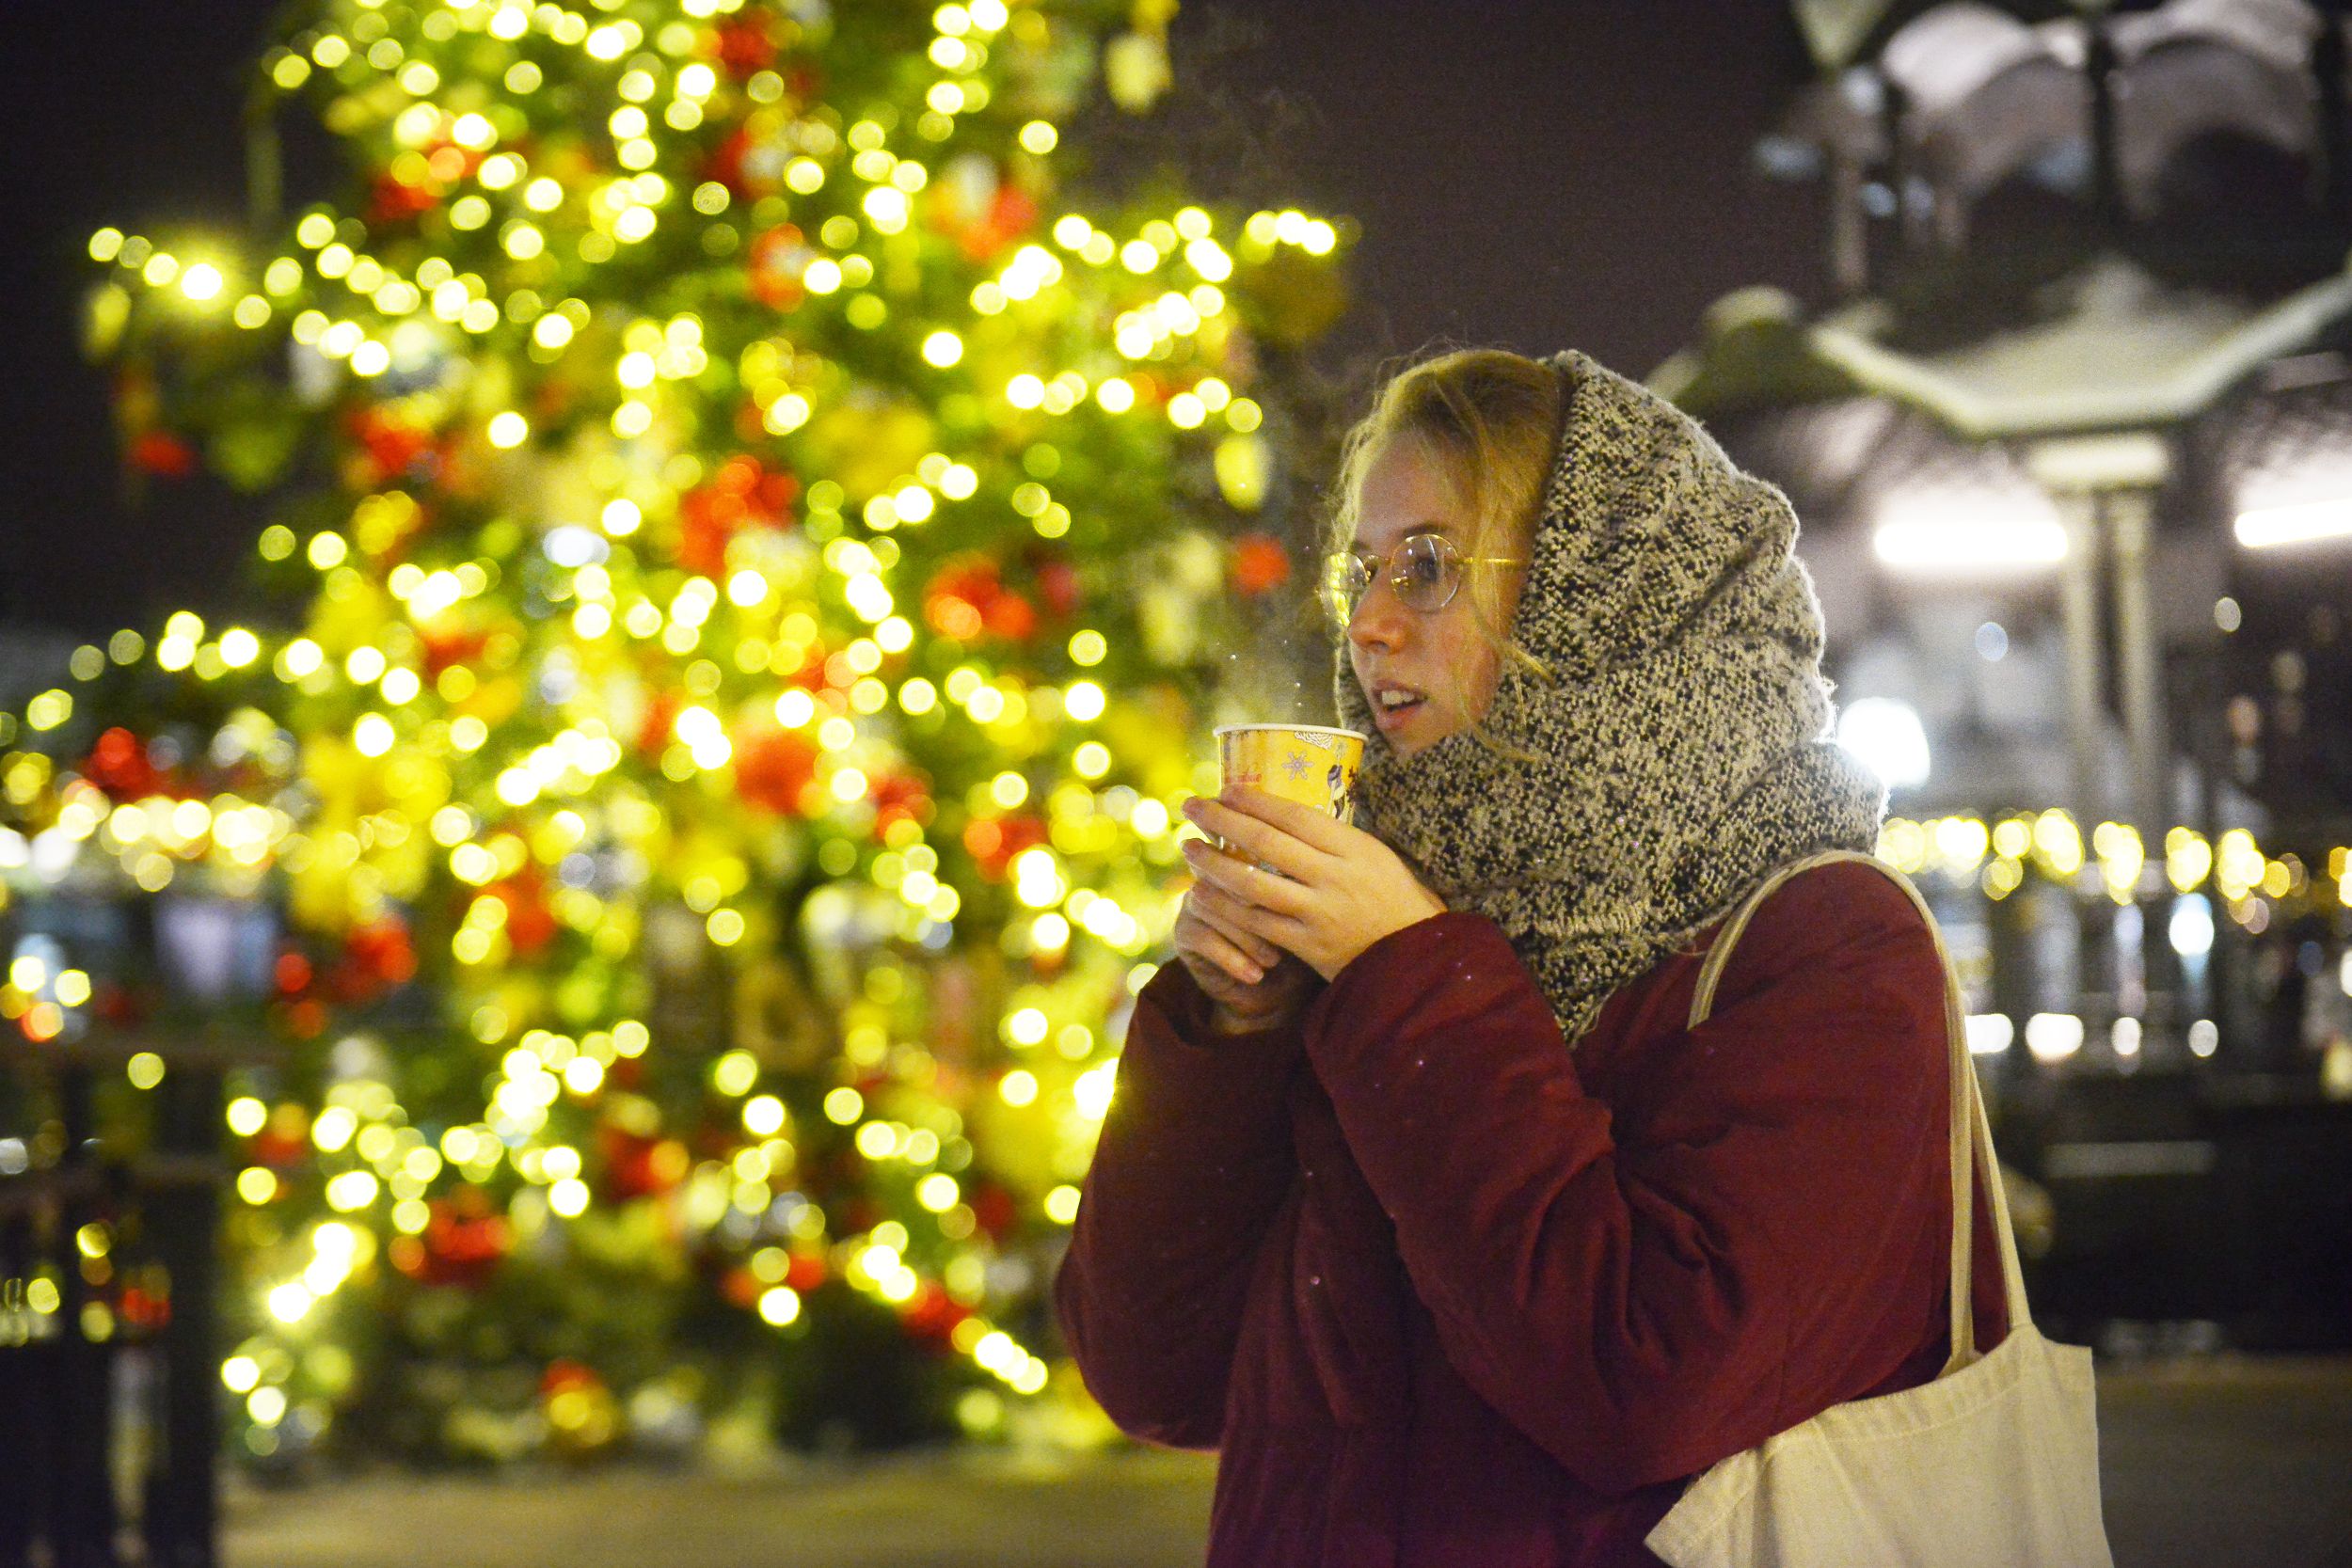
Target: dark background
(1530, 174)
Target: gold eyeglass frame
(1451, 560)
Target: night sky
(1531, 174)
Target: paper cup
(1311, 763)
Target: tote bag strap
(1970, 1132)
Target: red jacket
(1444, 1292)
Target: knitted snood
(1681, 742)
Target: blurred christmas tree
(750, 547)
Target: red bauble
(564, 1373)
(1058, 582)
(933, 1314)
(293, 973)
(392, 201)
(745, 47)
(393, 448)
(744, 493)
(464, 1243)
(119, 766)
(957, 601)
(776, 769)
(530, 924)
(382, 952)
(773, 266)
(1012, 213)
(161, 452)
(994, 1209)
(376, 957)
(445, 645)
(1260, 564)
(1012, 617)
(993, 841)
(653, 731)
(899, 796)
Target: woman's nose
(1380, 618)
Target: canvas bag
(1993, 1464)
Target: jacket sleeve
(1646, 1291)
(1193, 1162)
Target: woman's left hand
(1347, 889)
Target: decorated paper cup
(1311, 763)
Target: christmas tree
(748, 526)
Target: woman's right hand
(1250, 983)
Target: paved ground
(2208, 1463)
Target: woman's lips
(1390, 718)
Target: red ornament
(463, 1241)
(305, 1019)
(1260, 564)
(393, 448)
(957, 601)
(445, 644)
(993, 841)
(744, 493)
(161, 452)
(653, 729)
(393, 201)
(1058, 582)
(1012, 617)
(563, 1374)
(376, 956)
(119, 764)
(994, 1209)
(745, 46)
(776, 769)
(740, 1287)
(144, 1309)
(773, 265)
(639, 1165)
(806, 1271)
(530, 924)
(899, 796)
(293, 973)
(274, 1148)
(1011, 214)
(932, 1314)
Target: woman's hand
(1250, 983)
(1340, 890)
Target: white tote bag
(1994, 1465)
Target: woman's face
(1438, 655)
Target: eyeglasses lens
(1423, 571)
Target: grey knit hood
(1682, 744)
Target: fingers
(1225, 917)
(1197, 937)
(1316, 829)
(1258, 839)
(1244, 882)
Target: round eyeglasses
(1424, 569)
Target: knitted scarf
(1681, 746)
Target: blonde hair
(1488, 419)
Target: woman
(1418, 1200)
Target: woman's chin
(1416, 734)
